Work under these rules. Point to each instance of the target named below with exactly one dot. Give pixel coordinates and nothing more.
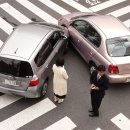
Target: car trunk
(15, 74)
(123, 64)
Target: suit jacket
(101, 83)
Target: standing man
(99, 83)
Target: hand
(92, 86)
(96, 88)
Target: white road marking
(77, 5)
(93, 2)
(105, 5)
(127, 23)
(55, 7)
(6, 100)
(1, 43)
(39, 12)
(121, 11)
(15, 13)
(27, 115)
(5, 26)
(98, 129)
(121, 121)
(63, 124)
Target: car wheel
(44, 88)
(92, 67)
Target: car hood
(123, 64)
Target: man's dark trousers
(96, 99)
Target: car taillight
(34, 82)
(113, 69)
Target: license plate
(10, 82)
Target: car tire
(44, 89)
(92, 67)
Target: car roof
(109, 25)
(24, 40)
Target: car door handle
(91, 53)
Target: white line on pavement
(39, 12)
(98, 129)
(77, 5)
(6, 27)
(15, 13)
(105, 5)
(63, 124)
(27, 115)
(1, 43)
(121, 11)
(121, 121)
(55, 7)
(127, 23)
(6, 100)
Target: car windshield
(14, 67)
(118, 47)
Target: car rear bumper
(31, 92)
(119, 78)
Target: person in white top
(59, 81)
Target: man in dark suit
(99, 83)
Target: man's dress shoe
(93, 115)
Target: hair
(60, 62)
(101, 68)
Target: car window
(80, 26)
(93, 36)
(54, 38)
(43, 53)
(120, 46)
(15, 67)
(88, 32)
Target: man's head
(101, 69)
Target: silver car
(26, 58)
(101, 39)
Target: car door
(76, 31)
(48, 53)
(83, 38)
(93, 42)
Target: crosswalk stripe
(121, 11)
(63, 124)
(127, 23)
(77, 5)
(15, 13)
(121, 121)
(6, 100)
(105, 5)
(55, 7)
(42, 14)
(27, 115)
(6, 27)
(98, 129)
(1, 43)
